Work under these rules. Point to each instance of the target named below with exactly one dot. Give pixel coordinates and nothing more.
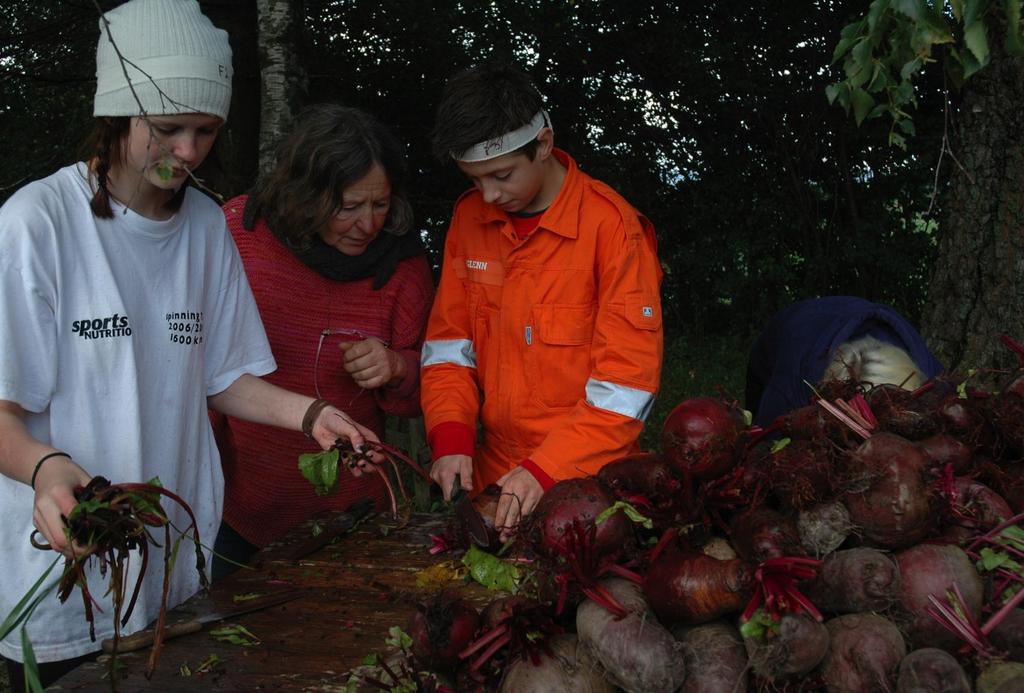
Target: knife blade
(472, 521)
(335, 527)
(144, 638)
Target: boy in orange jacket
(546, 327)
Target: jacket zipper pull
(529, 335)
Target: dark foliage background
(710, 117)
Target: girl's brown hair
(107, 148)
(330, 148)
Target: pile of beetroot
(870, 541)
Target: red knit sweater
(265, 494)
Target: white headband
(503, 144)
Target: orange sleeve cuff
(451, 438)
(539, 474)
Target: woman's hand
(371, 364)
(55, 497)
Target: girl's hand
(371, 364)
(332, 423)
(55, 497)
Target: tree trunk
(284, 79)
(977, 287)
(233, 168)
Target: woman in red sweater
(344, 290)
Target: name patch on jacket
(481, 270)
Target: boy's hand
(520, 493)
(444, 469)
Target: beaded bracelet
(39, 464)
(312, 413)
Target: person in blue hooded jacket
(832, 337)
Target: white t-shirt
(112, 334)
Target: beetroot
(635, 651)
(855, 580)
(567, 668)
(943, 449)
(646, 481)
(891, 506)
(762, 533)
(1001, 677)
(1006, 412)
(864, 654)
(931, 670)
(716, 660)
(978, 507)
(823, 528)
(700, 437)
(689, 588)
(800, 474)
(898, 411)
(932, 569)
(796, 648)
(814, 423)
(440, 627)
(578, 501)
(1008, 636)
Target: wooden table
(356, 589)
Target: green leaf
(914, 9)
(989, 559)
(859, 63)
(976, 39)
(907, 126)
(370, 660)
(23, 609)
(492, 572)
(780, 444)
(910, 67)
(862, 104)
(164, 170)
(875, 12)
(631, 512)
(398, 638)
(832, 91)
(1014, 43)
(321, 470)
(30, 667)
(236, 635)
(760, 624)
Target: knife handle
(144, 638)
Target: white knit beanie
(178, 61)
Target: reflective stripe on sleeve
(457, 351)
(620, 399)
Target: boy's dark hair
(483, 102)
(329, 148)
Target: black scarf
(379, 260)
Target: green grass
(713, 366)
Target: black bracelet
(43, 459)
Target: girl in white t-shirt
(126, 313)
